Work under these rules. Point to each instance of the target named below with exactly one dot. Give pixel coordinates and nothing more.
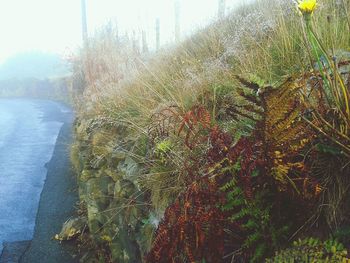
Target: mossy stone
(129, 168)
(97, 192)
(86, 175)
(124, 189)
(113, 174)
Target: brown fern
(192, 228)
(192, 223)
(194, 121)
(282, 132)
(164, 122)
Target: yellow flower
(307, 6)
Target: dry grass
(265, 39)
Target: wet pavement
(28, 135)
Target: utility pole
(135, 43)
(157, 34)
(177, 20)
(144, 42)
(117, 32)
(84, 22)
(221, 9)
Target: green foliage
(335, 88)
(259, 231)
(162, 149)
(264, 165)
(343, 234)
(328, 149)
(331, 168)
(161, 180)
(312, 250)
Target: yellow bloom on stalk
(307, 6)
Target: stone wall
(108, 176)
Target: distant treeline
(55, 89)
(36, 75)
(34, 64)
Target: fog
(55, 26)
(36, 38)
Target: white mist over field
(55, 25)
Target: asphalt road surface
(37, 185)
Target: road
(36, 183)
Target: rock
(129, 168)
(113, 174)
(107, 184)
(116, 157)
(98, 161)
(111, 187)
(97, 200)
(72, 228)
(82, 130)
(82, 190)
(97, 192)
(124, 189)
(124, 249)
(94, 220)
(86, 175)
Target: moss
(74, 157)
(86, 175)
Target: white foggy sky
(55, 25)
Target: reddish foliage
(195, 222)
(246, 151)
(192, 225)
(194, 122)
